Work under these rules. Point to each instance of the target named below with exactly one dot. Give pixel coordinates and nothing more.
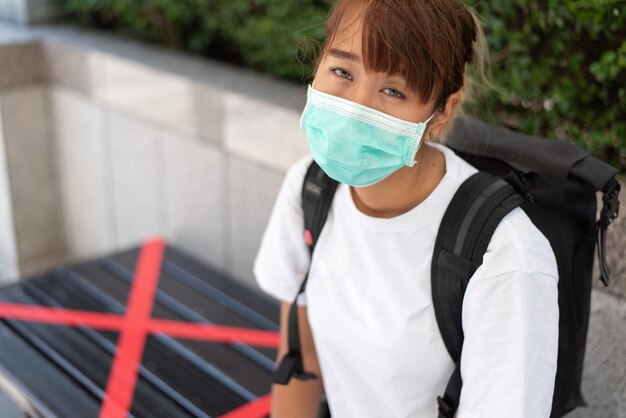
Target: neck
(404, 189)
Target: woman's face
(341, 73)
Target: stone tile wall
(32, 167)
(9, 260)
(130, 141)
(84, 169)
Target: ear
(444, 115)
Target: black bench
(62, 371)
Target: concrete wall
(104, 142)
(109, 142)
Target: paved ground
(604, 378)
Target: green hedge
(559, 65)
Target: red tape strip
(112, 322)
(123, 377)
(215, 333)
(69, 317)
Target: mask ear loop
(431, 117)
(426, 122)
(430, 133)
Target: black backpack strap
(317, 195)
(466, 229)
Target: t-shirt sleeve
(283, 257)
(511, 326)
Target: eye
(340, 72)
(394, 93)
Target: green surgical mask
(355, 144)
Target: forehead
(348, 36)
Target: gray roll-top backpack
(555, 183)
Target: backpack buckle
(610, 210)
(308, 237)
(291, 365)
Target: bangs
(398, 38)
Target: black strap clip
(291, 365)
(445, 410)
(609, 213)
(610, 210)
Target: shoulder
(299, 167)
(296, 172)
(290, 191)
(518, 245)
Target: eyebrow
(344, 54)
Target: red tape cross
(134, 328)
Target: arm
(299, 398)
(510, 319)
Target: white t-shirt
(371, 314)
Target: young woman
(367, 323)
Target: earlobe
(443, 117)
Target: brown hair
(429, 42)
